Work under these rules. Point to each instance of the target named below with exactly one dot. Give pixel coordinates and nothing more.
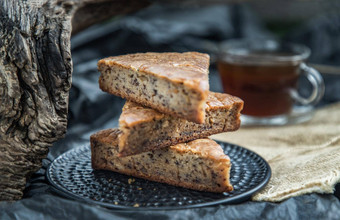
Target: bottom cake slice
(200, 164)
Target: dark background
(185, 27)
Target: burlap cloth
(304, 158)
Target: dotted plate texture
(72, 176)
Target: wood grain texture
(35, 79)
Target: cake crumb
(136, 205)
(131, 180)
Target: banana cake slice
(144, 129)
(200, 164)
(173, 83)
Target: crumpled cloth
(304, 158)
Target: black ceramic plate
(72, 176)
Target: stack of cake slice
(165, 122)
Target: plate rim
(231, 200)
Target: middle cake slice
(144, 129)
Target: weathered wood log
(35, 78)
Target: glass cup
(264, 74)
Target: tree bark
(35, 78)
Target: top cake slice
(172, 83)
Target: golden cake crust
(107, 136)
(217, 100)
(205, 148)
(133, 113)
(189, 68)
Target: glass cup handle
(315, 78)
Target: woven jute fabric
(304, 158)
